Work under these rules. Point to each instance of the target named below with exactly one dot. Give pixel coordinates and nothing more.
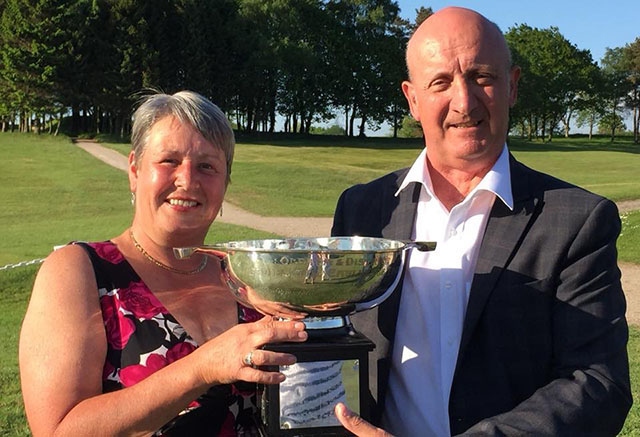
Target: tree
(410, 128)
(211, 39)
(422, 14)
(27, 59)
(555, 74)
(367, 47)
(631, 59)
(617, 86)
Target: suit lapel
(399, 227)
(403, 210)
(503, 235)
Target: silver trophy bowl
(310, 277)
(320, 281)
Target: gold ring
(248, 359)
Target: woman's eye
(211, 167)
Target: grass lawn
(53, 193)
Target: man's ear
(132, 172)
(410, 94)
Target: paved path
(321, 226)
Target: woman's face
(179, 182)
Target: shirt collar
(497, 180)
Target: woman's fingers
(263, 358)
(262, 366)
(238, 353)
(270, 330)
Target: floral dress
(143, 337)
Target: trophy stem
(332, 322)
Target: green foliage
(255, 59)
(334, 129)
(410, 128)
(611, 123)
(555, 75)
(301, 61)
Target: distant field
(304, 176)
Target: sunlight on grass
(629, 241)
(54, 193)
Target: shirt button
(447, 285)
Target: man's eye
(439, 84)
(485, 79)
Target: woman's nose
(185, 176)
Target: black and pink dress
(143, 337)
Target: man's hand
(356, 424)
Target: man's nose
(463, 99)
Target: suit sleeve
(338, 217)
(588, 389)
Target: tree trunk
(636, 125)
(346, 121)
(352, 120)
(361, 127)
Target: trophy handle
(374, 303)
(422, 246)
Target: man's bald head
(454, 27)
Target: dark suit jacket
(543, 349)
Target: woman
(120, 337)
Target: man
(515, 324)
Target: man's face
(460, 91)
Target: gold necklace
(198, 269)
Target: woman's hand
(356, 424)
(237, 354)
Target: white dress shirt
(434, 299)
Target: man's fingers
(356, 424)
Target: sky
(588, 24)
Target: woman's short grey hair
(188, 107)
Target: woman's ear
(132, 172)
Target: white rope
(22, 264)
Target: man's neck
(452, 186)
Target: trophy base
(329, 369)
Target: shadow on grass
(578, 143)
(575, 143)
(309, 140)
